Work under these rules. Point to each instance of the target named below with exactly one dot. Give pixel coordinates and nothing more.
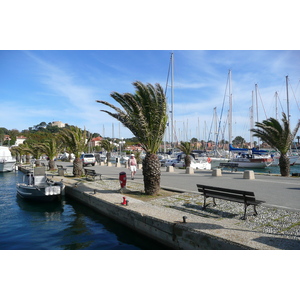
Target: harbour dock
(198, 230)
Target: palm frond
(144, 113)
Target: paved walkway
(282, 192)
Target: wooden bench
(232, 166)
(61, 167)
(92, 173)
(248, 198)
(46, 167)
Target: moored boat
(293, 160)
(7, 162)
(251, 158)
(37, 187)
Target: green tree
(278, 137)
(240, 141)
(76, 140)
(108, 146)
(19, 151)
(145, 116)
(51, 147)
(186, 148)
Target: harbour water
(64, 225)
(275, 169)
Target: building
(58, 124)
(96, 141)
(20, 140)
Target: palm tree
(278, 137)
(145, 116)
(186, 148)
(18, 152)
(23, 149)
(51, 147)
(108, 146)
(76, 140)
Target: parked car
(168, 162)
(88, 159)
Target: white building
(58, 124)
(20, 140)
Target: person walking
(132, 165)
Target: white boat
(7, 162)
(37, 187)
(251, 158)
(250, 161)
(199, 164)
(215, 161)
(293, 160)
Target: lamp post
(121, 143)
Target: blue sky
(58, 57)
(48, 86)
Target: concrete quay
(167, 226)
(277, 191)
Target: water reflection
(48, 207)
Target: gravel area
(270, 220)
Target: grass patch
(140, 195)
(290, 227)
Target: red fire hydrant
(122, 178)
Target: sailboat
(292, 157)
(244, 157)
(251, 158)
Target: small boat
(293, 160)
(201, 164)
(250, 161)
(7, 162)
(251, 158)
(37, 187)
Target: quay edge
(175, 235)
(165, 225)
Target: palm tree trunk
(187, 161)
(284, 164)
(151, 173)
(77, 167)
(51, 164)
(37, 162)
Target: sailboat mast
(172, 98)
(251, 121)
(287, 98)
(276, 109)
(230, 110)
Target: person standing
(132, 165)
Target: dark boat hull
(39, 194)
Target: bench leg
(215, 204)
(254, 208)
(245, 211)
(204, 204)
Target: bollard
(122, 179)
(170, 169)
(184, 219)
(249, 174)
(124, 201)
(216, 172)
(189, 170)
